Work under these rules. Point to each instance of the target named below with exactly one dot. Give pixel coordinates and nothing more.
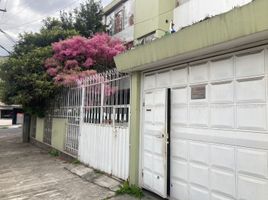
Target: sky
(27, 15)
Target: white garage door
(219, 131)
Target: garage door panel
(179, 95)
(252, 90)
(252, 162)
(163, 79)
(223, 182)
(180, 114)
(179, 190)
(221, 70)
(222, 93)
(149, 82)
(199, 115)
(198, 193)
(147, 178)
(251, 116)
(148, 160)
(148, 116)
(159, 98)
(158, 116)
(222, 116)
(179, 149)
(199, 152)
(199, 175)
(158, 147)
(149, 99)
(179, 76)
(220, 197)
(159, 184)
(157, 166)
(198, 73)
(250, 65)
(223, 157)
(251, 188)
(180, 169)
(148, 143)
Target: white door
(154, 167)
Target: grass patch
(131, 190)
(98, 171)
(3, 127)
(54, 152)
(76, 162)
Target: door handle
(160, 136)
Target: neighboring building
(8, 113)
(137, 21)
(199, 104)
(119, 20)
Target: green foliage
(54, 152)
(76, 162)
(30, 41)
(24, 79)
(98, 171)
(131, 190)
(86, 19)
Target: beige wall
(151, 15)
(39, 129)
(58, 133)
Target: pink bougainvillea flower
(73, 58)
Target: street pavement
(27, 172)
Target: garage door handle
(160, 136)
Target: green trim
(236, 24)
(134, 128)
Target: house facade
(119, 20)
(198, 115)
(187, 116)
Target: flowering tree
(79, 57)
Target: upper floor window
(119, 21)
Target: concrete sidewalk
(27, 172)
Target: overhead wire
(9, 37)
(5, 49)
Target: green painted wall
(238, 23)
(39, 129)
(134, 128)
(58, 133)
(151, 15)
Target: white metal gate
(73, 119)
(104, 141)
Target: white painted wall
(127, 35)
(193, 11)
